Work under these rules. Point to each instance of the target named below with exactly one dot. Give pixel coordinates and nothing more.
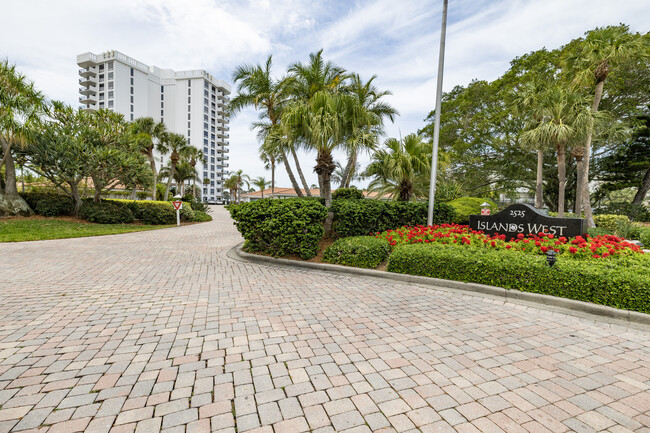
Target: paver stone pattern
(162, 331)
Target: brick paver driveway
(162, 331)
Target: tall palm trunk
(292, 178)
(578, 154)
(172, 170)
(302, 176)
(586, 199)
(561, 174)
(539, 183)
(349, 168)
(272, 175)
(22, 178)
(324, 168)
(152, 162)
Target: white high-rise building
(190, 103)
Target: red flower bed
(598, 247)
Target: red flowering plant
(598, 247)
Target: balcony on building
(86, 60)
(87, 99)
(87, 72)
(87, 81)
(90, 90)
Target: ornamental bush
(362, 217)
(105, 212)
(466, 206)
(609, 222)
(624, 283)
(359, 251)
(156, 212)
(348, 193)
(201, 217)
(280, 227)
(50, 203)
(187, 214)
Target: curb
(602, 313)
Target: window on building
(162, 113)
(188, 125)
(110, 66)
(205, 84)
(205, 93)
(110, 94)
(188, 134)
(131, 102)
(205, 109)
(188, 138)
(101, 105)
(205, 150)
(205, 190)
(205, 118)
(132, 72)
(212, 168)
(212, 136)
(205, 141)
(189, 91)
(189, 83)
(110, 104)
(110, 75)
(132, 90)
(188, 116)
(101, 87)
(110, 85)
(101, 77)
(131, 117)
(131, 107)
(205, 125)
(212, 151)
(211, 175)
(205, 133)
(162, 104)
(162, 96)
(212, 159)
(101, 96)
(101, 67)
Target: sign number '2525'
(517, 213)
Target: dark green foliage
(348, 193)
(198, 205)
(362, 217)
(201, 217)
(610, 222)
(621, 283)
(359, 251)
(280, 227)
(106, 212)
(597, 231)
(157, 214)
(466, 206)
(187, 214)
(636, 212)
(50, 204)
(644, 237)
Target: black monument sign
(522, 218)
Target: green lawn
(37, 229)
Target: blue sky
(396, 40)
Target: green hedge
(157, 212)
(280, 227)
(106, 212)
(362, 217)
(621, 283)
(359, 251)
(348, 193)
(610, 222)
(466, 206)
(50, 204)
(201, 217)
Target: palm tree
(241, 179)
(366, 138)
(194, 155)
(231, 184)
(178, 146)
(601, 50)
(149, 136)
(256, 87)
(271, 157)
(182, 173)
(401, 169)
(565, 121)
(261, 183)
(20, 108)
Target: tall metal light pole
(436, 125)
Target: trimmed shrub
(105, 212)
(636, 212)
(348, 193)
(156, 215)
(362, 217)
(187, 214)
(609, 222)
(466, 206)
(280, 227)
(623, 283)
(359, 251)
(202, 217)
(644, 237)
(49, 204)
